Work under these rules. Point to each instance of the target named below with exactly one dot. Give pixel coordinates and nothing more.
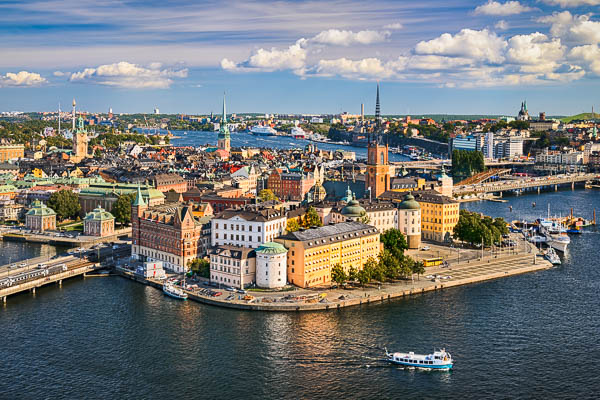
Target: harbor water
(528, 336)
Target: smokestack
(362, 113)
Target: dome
(99, 214)
(271, 248)
(409, 203)
(353, 209)
(39, 208)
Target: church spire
(224, 110)
(377, 110)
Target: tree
(474, 228)
(267, 195)
(311, 218)
(366, 273)
(292, 225)
(200, 266)
(418, 268)
(352, 274)
(467, 163)
(121, 210)
(338, 275)
(363, 277)
(364, 218)
(389, 264)
(394, 241)
(65, 203)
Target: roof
(99, 214)
(353, 209)
(409, 203)
(40, 209)
(331, 233)
(252, 215)
(236, 252)
(430, 196)
(271, 248)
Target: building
(312, 253)
(560, 161)
(106, 194)
(99, 222)
(167, 182)
(439, 215)
(271, 265)
(467, 143)
(152, 270)
(523, 113)
(508, 147)
(224, 138)
(247, 227)
(378, 170)
(80, 142)
(167, 232)
(378, 213)
(290, 185)
(40, 217)
(233, 266)
(11, 152)
(409, 221)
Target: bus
(432, 262)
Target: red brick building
(290, 185)
(166, 182)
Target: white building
(233, 266)
(271, 265)
(409, 221)
(247, 227)
(151, 269)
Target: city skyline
(455, 57)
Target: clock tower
(378, 168)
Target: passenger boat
(171, 290)
(260, 130)
(438, 360)
(552, 256)
(559, 242)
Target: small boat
(171, 290)
(438, 360)
(552, 256)
(537, 239)
(559, 242)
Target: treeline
(467, 163)
(474, 228)
(114, 141)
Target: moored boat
(171, 290)
(552, 256)
(437, 360)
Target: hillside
(582, 116)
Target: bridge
(484, 176)
(437, 164)
(523, 183)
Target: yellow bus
(432, 262)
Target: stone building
(409, 221)
(40, 217)
(271, 265)
(233, 266)
(99, 222)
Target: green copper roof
(139, 199)
(39, 208)
(271, 248)
(99, 214)
(353, 209)
(409, 203)
(224, 130)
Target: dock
(51, 238)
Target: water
(529, 336)
(12, 252)
(243, 139)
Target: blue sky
(431, 56)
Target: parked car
(425, 248)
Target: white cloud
(501, 25)
(480, 45)
(395, 25)
(22, 78)
(367, 68)
(496, 8)
(432, 62)
(294, 58)
(535, 52)
(578, 29)
(60, 73)
(589, 54)
(572, 3)
(128, 75)
(346, 38)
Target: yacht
(298, 133)
(173, 291)
(260, 130)
(437, 360)
(552, 256)
(559, 242)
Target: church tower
(224, 139)
(378, 169)
(80, 142)
(137, 210)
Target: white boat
(537, 239)
(171, 290)
(552, 256)
(260, 130)
(438, 360)
(559, 242)
(298, 133)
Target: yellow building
(11, 151)
(439, 215)
(312, 253)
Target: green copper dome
(353, 209)
(271, 248)
(39, 208)
(409, 203)
(99, 214)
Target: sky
(430, 56)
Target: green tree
(394, 241)
(338, 275)
(389, 264)
(352, 274)
(311, 218)
(418, 268)
(363, 277)
(364, 218)
(200, 266)
(65, 203)
(121, 209)
(474, 228)
(267, 195)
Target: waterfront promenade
(465, 272)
